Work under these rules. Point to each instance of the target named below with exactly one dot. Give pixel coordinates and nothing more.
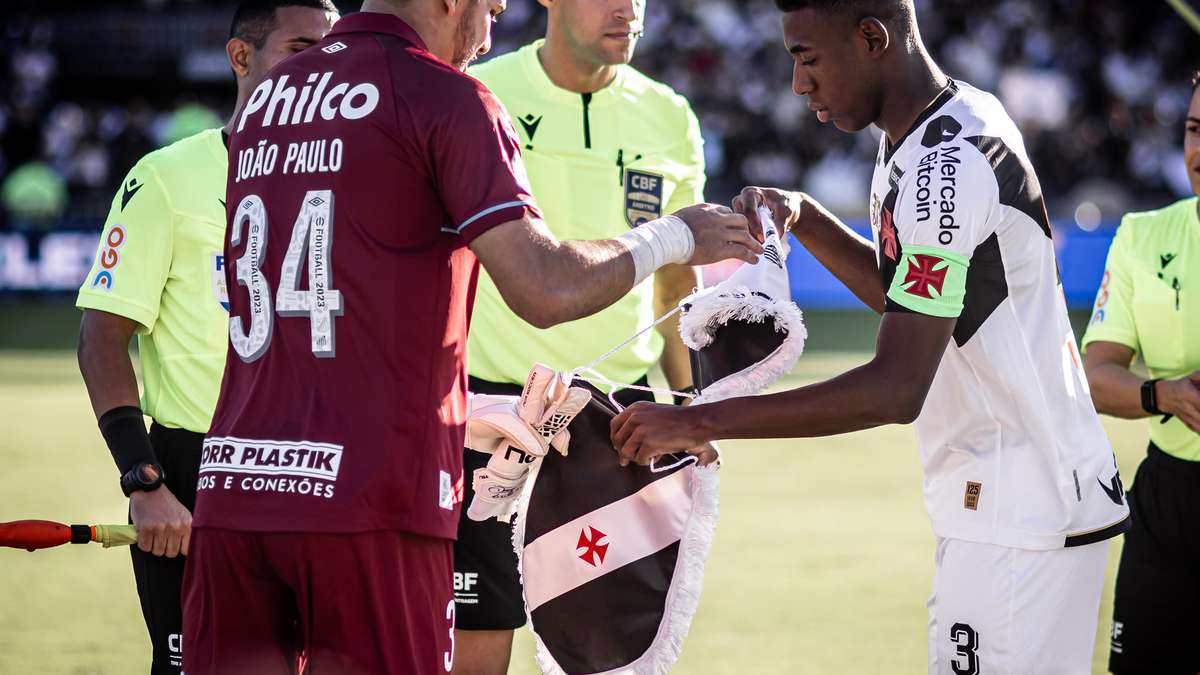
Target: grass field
(821, 563)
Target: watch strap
(132, 481)
(1150, 397)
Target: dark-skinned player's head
(265, 32)
(599, 32)
(842, 51)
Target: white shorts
(1009, 611)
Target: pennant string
(595, 377)
(612, 352)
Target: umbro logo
(1166, 259)
(334, 48)
(530, 124)
(131, 189)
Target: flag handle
(32, 535)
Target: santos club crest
(643, 196)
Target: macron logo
(334, 48)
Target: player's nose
(802, 84)
(625, 11)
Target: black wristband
(124, 431)
(680, 400)
(1150, 398)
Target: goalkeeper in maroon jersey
(367, 177)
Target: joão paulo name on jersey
(359, 172)
(1012, 448)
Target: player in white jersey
(975, 345)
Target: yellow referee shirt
(1149, 301)
(600, 164)
(160, 264)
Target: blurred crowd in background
(1099, 87)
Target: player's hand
(720, 234)
(1181, 398)
(164, 525)
(784, 207)
(645, 431)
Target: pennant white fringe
(709, 311)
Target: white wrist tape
(656, 243)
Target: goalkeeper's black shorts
(487, 589)
(160, 580)
(1156, 606)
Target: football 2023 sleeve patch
(931, 281)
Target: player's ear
(875, 35)
(239, 52)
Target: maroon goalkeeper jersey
(359, 172)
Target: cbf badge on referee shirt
(220, 291)
(643, 196)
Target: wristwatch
(1150, 397)
(144, 477)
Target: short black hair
(881, 9)
(255, 19)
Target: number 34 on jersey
(311, 243)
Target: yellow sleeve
(691, 185)
(1112, 315)
(133, 259)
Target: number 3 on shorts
(448, 657)
(967, 641)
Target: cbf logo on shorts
(220, 290)
(109, 258)
(643, 196)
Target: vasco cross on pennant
(593, 550)
(922, 276)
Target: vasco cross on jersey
(1013, 452)
(359, 171)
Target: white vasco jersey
(1013, 451)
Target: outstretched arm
(890, 389)
(1118, 392)
(546, 281)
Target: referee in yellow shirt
(159, 274)
(1149, 304)
(606, 148)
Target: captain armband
(931, 281)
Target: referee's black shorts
(487, 589)
(160, 580)
(1156, 608)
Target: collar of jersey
(550, 91)
(377, 22)
(948, 92)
